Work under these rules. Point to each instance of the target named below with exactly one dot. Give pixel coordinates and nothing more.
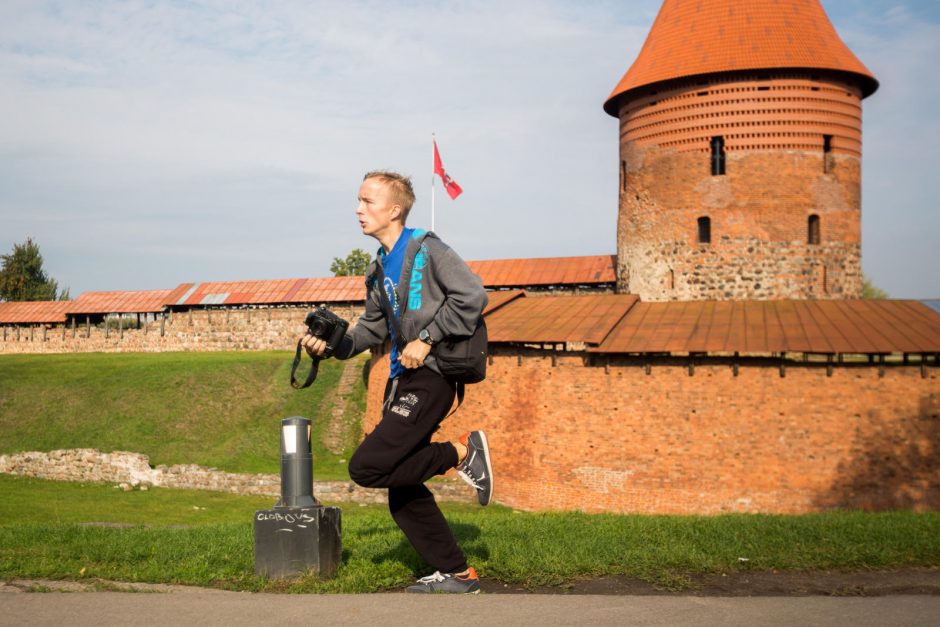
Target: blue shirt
(391, 266)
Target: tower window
(623, 176)
(827, 154)
(812, 235)
(718, 155)
(704, 230)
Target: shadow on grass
(406, 555)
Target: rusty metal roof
(34, 312)
(709, 36)
(546, 271)
(327, 289)
(556, 319)
(150, 301)
(500, 298)
(848, 326)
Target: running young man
(433, 295)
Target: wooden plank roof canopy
(760, 327)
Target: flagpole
(432, 181)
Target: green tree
(22, 277)
(870, 290)
(354, 264)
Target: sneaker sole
(489, 468)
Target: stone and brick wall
(777, 175)
(612, 438)
(275, 328)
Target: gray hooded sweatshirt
(437, 292)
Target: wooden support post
(4, 333)
(17, 333)
(828, 365)
(107, 327)
(121, 325)
(74, 331)
(691, 366)
(648, 368)
(31, 329)
(607, 365)
(87, 327)
(881, 367)
(554, 358)
(923, 365)
(519, 360)
(44, 328)
(163, 325)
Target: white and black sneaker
(475, 468)
(451, 583)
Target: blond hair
(399, 186)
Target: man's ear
(396, 212)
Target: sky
(144, 144)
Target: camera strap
(311, 376)
(399, 338)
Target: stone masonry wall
(133, 470)
(759, 214)
(203, 330)
(611, 438)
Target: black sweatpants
(400, 456)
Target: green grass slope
(221, 410)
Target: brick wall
(615, 439)
(208, 330)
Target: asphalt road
(212, 607)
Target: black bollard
(296, 464)
(299, 535)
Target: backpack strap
(387, 306)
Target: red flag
(453, 190)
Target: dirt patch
(752, 584)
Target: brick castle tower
(740, 155)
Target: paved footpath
(195, 606)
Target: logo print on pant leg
(405, 404)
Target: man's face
(376, 208)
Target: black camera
(326, 325)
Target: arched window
(718, 155)
(812, 230)
(704, 230)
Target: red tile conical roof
(693, 37)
